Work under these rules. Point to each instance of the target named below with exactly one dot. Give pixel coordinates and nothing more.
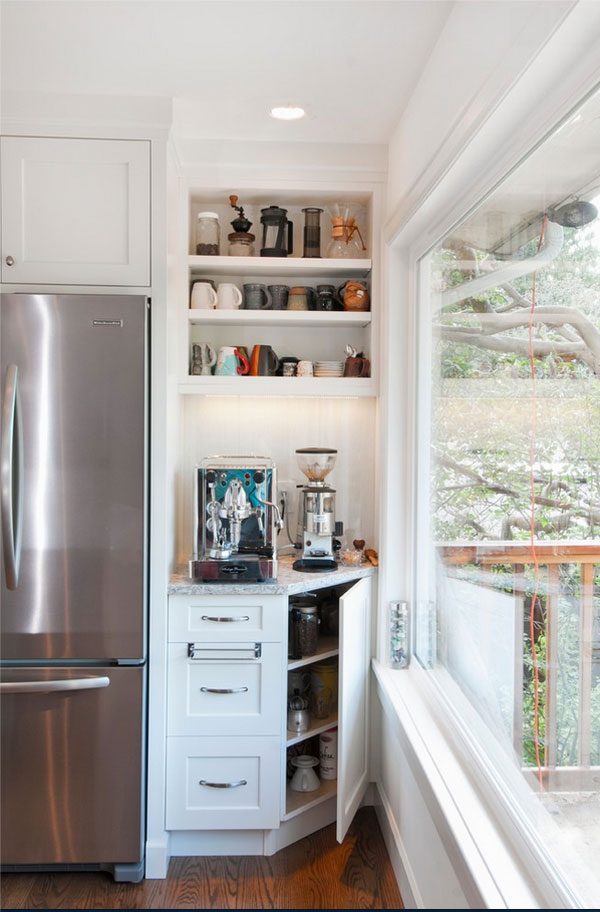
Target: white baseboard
(407, 883)
(217, 842)
(157, 859)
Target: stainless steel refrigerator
(74, 469)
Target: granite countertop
(288, 582)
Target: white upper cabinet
(75, 211)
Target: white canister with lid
(208, 233)
(328, 754)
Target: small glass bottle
(207, 234)
(399, 634)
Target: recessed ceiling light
(288, 112)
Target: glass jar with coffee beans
(207, 234)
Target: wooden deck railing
(516, 556)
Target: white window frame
(559, 79)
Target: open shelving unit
(278, 267)
(298, 802)
(303, 318)
(328, 647)
(307, 335)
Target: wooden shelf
(318, 726)
(327, 646)
(278, 266)
(297, 802)
(309, 318)
(345, 387)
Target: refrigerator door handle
(11, 477)
(15, 687)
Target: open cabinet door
(353, 705)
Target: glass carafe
(346, 240)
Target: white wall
(423, 868)
(482, 50)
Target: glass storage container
(241, 243)
(207, 234)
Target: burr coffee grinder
(316, 511)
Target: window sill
(493, 859)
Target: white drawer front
(218, 784)
(223, 618)
(215, 697)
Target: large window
(509, 483)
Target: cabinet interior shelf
(309, 318)
(345, 387)
(317, 726)
(278, 266)
(297, 802)
(327, 646)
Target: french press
(274, 220)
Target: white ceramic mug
(229, 297)
(304, 369)
(204, 297)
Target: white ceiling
(352, 64)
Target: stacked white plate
(328, 368)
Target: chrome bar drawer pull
(223, 785)
(224, 690)
(243, 652)
(225, 620)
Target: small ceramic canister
(305, 369)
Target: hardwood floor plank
(314, 873)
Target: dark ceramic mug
(263, 361)
(256, 297)
(279, 296)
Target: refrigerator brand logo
(107, 323)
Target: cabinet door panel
(75, 211)
(353, 728)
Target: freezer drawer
(71, 765)
(219, 697)
(222, 783)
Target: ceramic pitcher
(204, 359)
(231, 362)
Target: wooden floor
(315, 873)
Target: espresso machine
(236, 520)
(316, 511)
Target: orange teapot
(354, 296)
